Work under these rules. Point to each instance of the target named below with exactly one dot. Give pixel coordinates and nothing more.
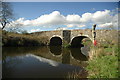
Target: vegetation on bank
(15, 39)
(103, 61)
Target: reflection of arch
(56, 50)
(66, 56)
(55, 41)
(76, 41)
(77, 54)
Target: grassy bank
(103, 61)
(15, 39)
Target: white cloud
(105, 25)
(75, 25)
(81, 25)
(73, 19)
(70, 25)
(34, 30)
(86, 17)
(64, 28)
(27, 22)
(54, 18)
(102, 18)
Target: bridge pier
(66, 36)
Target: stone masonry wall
(101, 35)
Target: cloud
(64, 28)
(34, 30)
(105, 25)
(75, 25)
(86, 17)
(54, 18)
(102, 18)
(73, 19)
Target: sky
(45, 16)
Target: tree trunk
(3, 25)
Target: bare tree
(6, 13)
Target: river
(43, 62)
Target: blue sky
(34, 10)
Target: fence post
(94, 32)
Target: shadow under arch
(77, 41)
(55, 41)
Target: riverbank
(15, 39)
(103, 61)
(103, 58)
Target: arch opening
(77, 41)
(55, 41)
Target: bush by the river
(15, 39)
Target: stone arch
(77, 41)
(55, 41)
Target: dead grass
(15, 39)
(76, 75)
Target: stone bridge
(59, 37)
(74, 37)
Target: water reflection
(56, 50)
(31, 66)
(40, 62)
(66, 53)
(66, 56)
(77, 54)
(44, 60)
